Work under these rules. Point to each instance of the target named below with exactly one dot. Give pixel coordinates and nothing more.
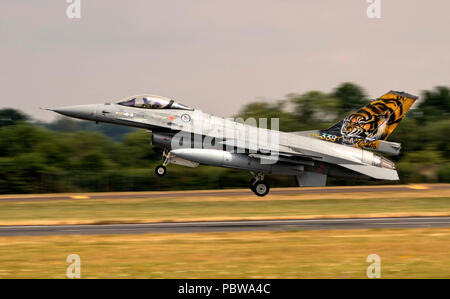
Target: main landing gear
(258, 185)
(161, 170)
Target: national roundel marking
(186, 118)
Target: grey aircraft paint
(190, 137)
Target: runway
(219, 193)
(227, 226)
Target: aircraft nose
(87, 112)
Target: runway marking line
(80, 197)
(418, 187)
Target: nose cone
(87, 112)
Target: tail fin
(371, 124)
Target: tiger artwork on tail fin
(371, 124)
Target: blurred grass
(404, 253)
(395, 203)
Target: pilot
(156, 105)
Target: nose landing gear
(161, 170)
(258, 185)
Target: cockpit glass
(152, 102)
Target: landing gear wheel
(261, 188)
(160, 170)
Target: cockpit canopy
(152, 102)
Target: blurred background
(308, 63)
(66, 155)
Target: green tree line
(78, 156)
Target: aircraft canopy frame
(152, 102)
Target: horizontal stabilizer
(379, 173)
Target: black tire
(261, 188)
(252, 184)
(160, 170)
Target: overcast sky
(215, 55)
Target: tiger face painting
(370, 122)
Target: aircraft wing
(282, 153)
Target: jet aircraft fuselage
(190, 137)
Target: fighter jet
(189, 137)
